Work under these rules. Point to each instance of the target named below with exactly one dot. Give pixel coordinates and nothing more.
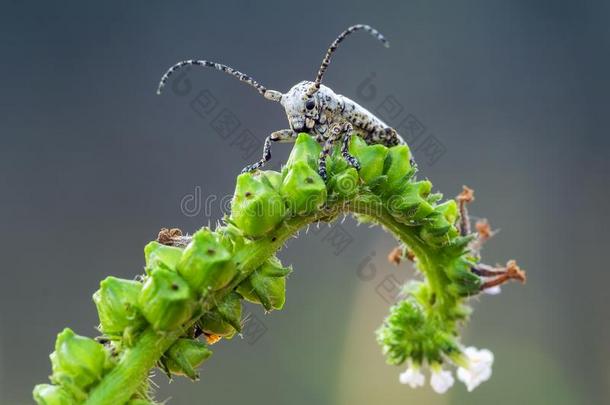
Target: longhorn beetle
(314, 108)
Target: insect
(314, 108)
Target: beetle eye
(310, 104)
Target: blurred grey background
(93, 163)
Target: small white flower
(441, 380)
(495, 290)
(478, 369)
(412, 377)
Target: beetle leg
(336, 132)
(348, 128)
(284, 135)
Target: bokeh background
(93, 163)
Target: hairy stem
(426, 254)
(123, 381)
(196, 285)
(135, 364)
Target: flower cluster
(192, 291)
(476, 370)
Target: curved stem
(425, 253)
(118, 386)
(133, 367)
(422, 327)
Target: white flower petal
(412, 377)
(495, 290)
(478, 369)
(441, 380)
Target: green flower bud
(399, 170)
(79, 359)
(246, 290)
(267, 285)
(420, 188)
(434, 198)
(464, 282)
(400, 335)
(225, 319)
(336, 163)
(303, 189)
(419, 290)
(410, 205)
(439, 228)
(230, 309)
(436, 225)
(257, 208)
(213, 323)
(166, 301)
(230, 237)
(345, 184)
(371, 158)
(117, 306)
(158, 255)
(440, 346)
(306, 150)
(458, 245)
(410, 209)
(449, 210)
(185, 355)
(440, 236)
(410, 333)
(46, 394)
(206, 264)
(272, 178)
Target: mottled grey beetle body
(316, 109)
(331, 108)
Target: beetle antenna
(333, 47)
(242, 77)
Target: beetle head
(302, 109)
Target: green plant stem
(119, 385)
(427, 255)
(133, 368)
(156, 321)
(126, 377)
